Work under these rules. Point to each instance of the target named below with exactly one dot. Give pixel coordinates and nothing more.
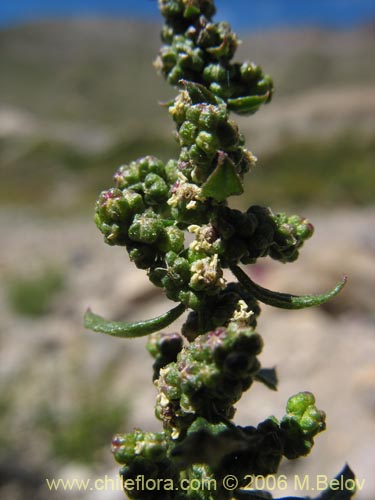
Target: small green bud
(146, 229)
(313, 420)
(176, 75)
(168, 58)
(155, 189)
(112, 206)
(179, 10)
(207, 142)
(172, 239)
(200, 157)
(113, 233)
(171, 171)
(143, 256)
(187, 133)
(190, 300)
(134, 200)
(218, 40)
(208, 118)
(127, 175)
(148, 445)
(215, 73)
(114, 211)
(192, 60)
(220, 89)
(177, 276)
(302, 408)
(193, 113)
(180, 107)
(304, 230)
(250, 72)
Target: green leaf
(247, 105)
(224, 180)
(268, 377)
(198, 93)
(284, 300)
(131, 330)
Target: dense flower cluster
(197, 50)
(216, 450)
(208, 377)
(154, 206)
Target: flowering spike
(201, 374)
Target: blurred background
(78, 98)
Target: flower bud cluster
(144, 455)
(301, 424)
(239, 451)
(207, 137)
(164, 348)
(198, 50)
(259, 232)
(209, 376)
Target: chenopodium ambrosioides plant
(202, 373)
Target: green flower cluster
(144, 455)
(141, 213)
(213, 450)
(198, 50)
(135, 213)
(301, 423)
(240, 451)
(259, 233)
(209, 140)
(164, 349)
(153, 205)
(208, 377)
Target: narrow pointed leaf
(247, 105)
(131, 330)
(284, 300)
(268, 377)
(224, 180)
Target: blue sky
(243, 14)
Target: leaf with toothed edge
(284, 300)
(131, 330)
